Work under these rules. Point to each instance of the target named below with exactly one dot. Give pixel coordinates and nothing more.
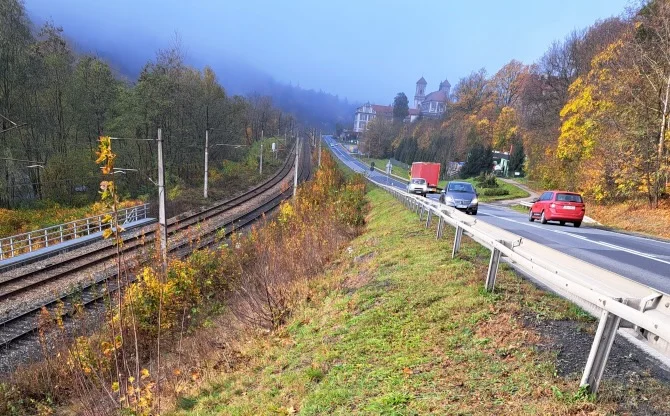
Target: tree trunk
(661, 139)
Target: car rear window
(569, 198)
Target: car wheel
(577, 224)
(562, 222)
(474, 212)
(530, 216)
(543, 219)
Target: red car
(558, 206)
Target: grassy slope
(396, 327)
(381, 164)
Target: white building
(432, 105)
(367, 112)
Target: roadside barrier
(619, 302)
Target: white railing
(619, 302)
(46, 237)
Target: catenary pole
(204, 192)
(319, 148)
(162, 221)
(295, 166)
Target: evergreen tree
(480, 159)
(517, 158)
(400, 107)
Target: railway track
(24, 322)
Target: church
(432, 105)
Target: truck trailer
(428, 171)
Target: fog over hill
(317, 108)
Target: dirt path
(508, 202)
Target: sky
(362, 50)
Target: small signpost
(389, 168)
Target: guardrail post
(600, 350)
(493, 270)
(420, 213)
(430, 214)
(457, 241)
(440, 224)
(46, 238)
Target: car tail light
(553, 205)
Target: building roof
(382, 109)
(440, 96)
(422, 81)
(446, 82)
(414, 112)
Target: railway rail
(26, 320)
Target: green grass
(408, 331)
(381, 164)
(514, 192)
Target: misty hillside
(316, 108)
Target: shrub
(487, 180)
(495, 191)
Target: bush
(495, 191)
(487, 180)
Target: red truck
(428, 171)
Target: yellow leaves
(582, 119)
(505, 129)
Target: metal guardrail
(619, 302)
(28, 242)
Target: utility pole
(260, 169)
(204, 191)
(319, 149)
(162, 221)
(206, 162)
(295, 166)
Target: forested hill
(316, 108)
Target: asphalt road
(641, 259)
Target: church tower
(445, 86)
(420, 94)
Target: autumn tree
(506, 84)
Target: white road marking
(580, 237)
(577, 236)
